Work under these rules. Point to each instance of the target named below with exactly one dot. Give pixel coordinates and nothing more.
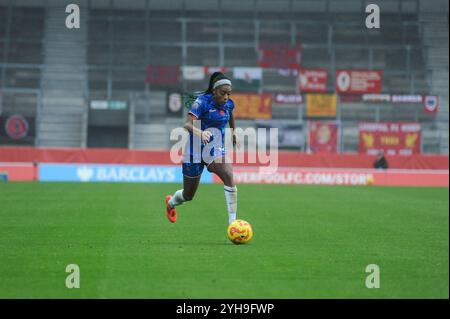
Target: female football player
(214, 109)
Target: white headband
(222, 82)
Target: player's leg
(190, 185)
(191, 179)
(225, 173)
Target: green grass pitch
(309, 242)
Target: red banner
(162, 74)
(324, 176)
(285, 158)
(393, 138)
(313, 80)
(279, 56)
(358, 81)
(19, 171)
(323, 137)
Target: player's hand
(236, 141)
(206, 136)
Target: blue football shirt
(213, 117)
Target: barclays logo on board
(130, 174)
(135, 174)
(91, 173)
(85, 173)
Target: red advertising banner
(391, 137)
(252, 106)
(358, 81)
(146, 157)
(323, 137)
(327, 176)
(279, 55)
(19, 171)
(313, 80)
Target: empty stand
(106, 59)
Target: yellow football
(240, 232)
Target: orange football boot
(170, 211)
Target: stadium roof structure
(269, 6)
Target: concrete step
(59, 143)
(79, 101)
(438, 62)
(70, 129)
(51, 36)
(440, 73)
(73, 75)
(64, 38)
(433, 28)
(53, 23)
(438, 49)
(78, 46)
(443, 113)
(432, 37)
(56, 92)
(440, 81)
(66, 42)
(150, 129)
(59, 27)
(74, 61)
(76, 129)
(440, 43)
(441, 116)
(438, 90)
(67, 89)
(437, 56)
(432, 17)
(60, 127)
(436, 43)
(63, 110)
(437, 53)
(63, 84)
(435, 36)
(72, 52)
(64, 68)
(437, 65)
(440, 84)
